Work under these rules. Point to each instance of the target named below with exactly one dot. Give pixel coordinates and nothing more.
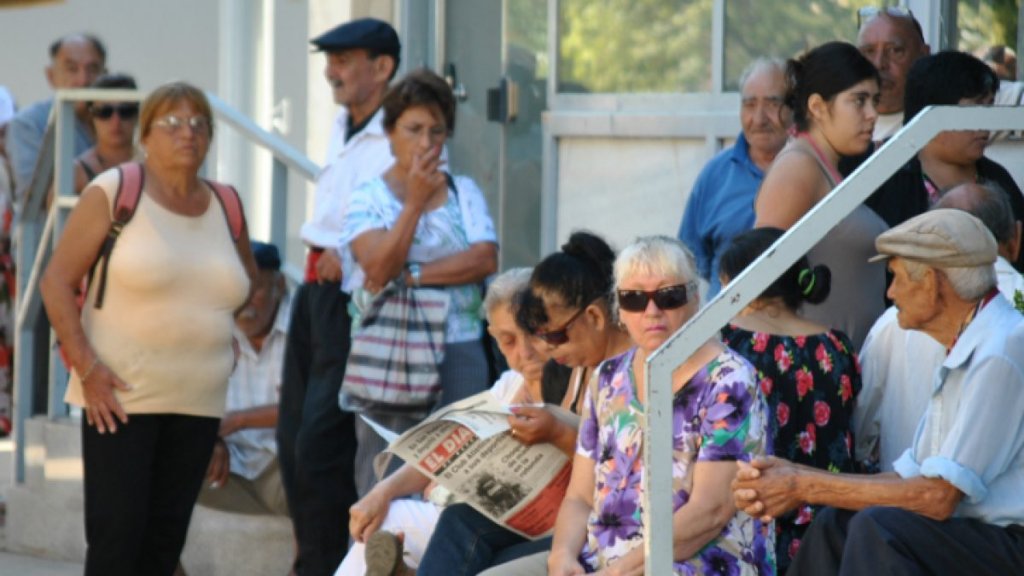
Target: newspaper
(467, 448)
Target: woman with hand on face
(833, 90)
(415, 224)
(114, 126)
(150, 367)
(719, 418)
(809, 373)
(567, 310)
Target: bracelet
(85, 375)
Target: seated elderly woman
(719, 418)
(385, 507)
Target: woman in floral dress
(719, 417)
(808, 372)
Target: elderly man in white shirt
(244, 476)
(894, 360)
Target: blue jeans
(465, 542)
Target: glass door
(494, 54)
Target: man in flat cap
(316, 439)
(954, 503)
(893, 359)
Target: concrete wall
(154, 41)
(623, 188)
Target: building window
(634, 46)
(783, 29)
(986, 29)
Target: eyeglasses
(434, 133)
(868, 13)
(124, 111)
(560, 336)
(667, 298)
(174, 124)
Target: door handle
(451, 76)
(503, 102)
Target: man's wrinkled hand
(766, 488)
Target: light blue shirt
(972, 433)
(25, 138)
(721, 206)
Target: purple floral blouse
(719, 415)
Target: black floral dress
(810, 383)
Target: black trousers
(141, 484)
(316, 439)
(881, 541)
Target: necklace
(836, 177)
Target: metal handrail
(747, 286)
(38, 229)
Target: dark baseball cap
(369, 33)
(266, 255)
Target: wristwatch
(414, 273)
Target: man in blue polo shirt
(721, 204)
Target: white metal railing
(807, 231)
(38, 228)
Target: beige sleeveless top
(166, 324)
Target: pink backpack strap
(126, 200)
(232, 205)
(129, 190)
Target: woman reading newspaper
(385, 517)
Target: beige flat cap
(944, 238)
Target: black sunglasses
(560, 336)
(667, 298)
(125, 111)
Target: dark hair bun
(592, 249)
(815, 283)
(579, 273)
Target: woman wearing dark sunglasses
(114, 126)
(567, 309)
(719, 418)
(808, 372)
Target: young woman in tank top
(832, 91)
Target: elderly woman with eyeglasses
(150, 366)
(719, 418)
(114, 126)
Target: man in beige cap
(953, 505)
(893, 359)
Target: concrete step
(45, 515)
(44, 526)
(225, 543)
